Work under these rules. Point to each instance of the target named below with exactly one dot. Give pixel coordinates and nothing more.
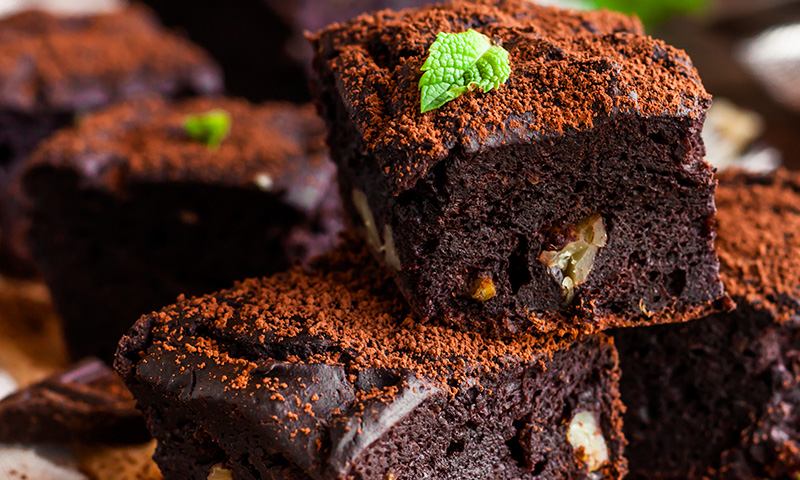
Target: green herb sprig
(210, 128)
(458, 63)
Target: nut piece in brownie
(574, 195)
(87, 403)
(324, 374)
(126, 211)
(53, 68)
(719, 397)
(260, 43)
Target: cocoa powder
(758, 220)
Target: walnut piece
(384, 246)
(571, 265)
(218, 472)
(482, 289)
(586, 438)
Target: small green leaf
(210, 128)
(459, 63)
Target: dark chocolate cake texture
(574, 196)
(126, 210)
(719, 397)
(54, 68)
(325, 374)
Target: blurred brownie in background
(720, 397)
(260, 43)
(127, 210)
(86, 403)
(53, 68)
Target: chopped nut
(586, 438)
(361, 204)
(390, 476)
(482, 289)
(218, 472)
(571, 265)
(389, 250)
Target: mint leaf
(459, 63)
(210, 128)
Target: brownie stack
(53, 69)
(457, 331)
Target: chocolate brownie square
(325, 374)
(260, 43)
(54, 68)
(126, 211)
(86, 403)
(719, 397)
(574, 196)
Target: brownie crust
(479, 189)
(323, 374)
(125, 211)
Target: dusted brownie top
(758, 240)
(274, 147)
(569, 70)
(345, 311)
(53, 63)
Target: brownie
(260, 43)
(719, 397)
(574, 196)
(86, 403)
(126, 211)
(53, 68)
(325, 374)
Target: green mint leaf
(459, 63)
(210, 128)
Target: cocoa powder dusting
(759, 240)
(347, 301)
(569, 70)
(277, 143)
(45, 57)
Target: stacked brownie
(328, 375)
(719, 397)
(53, 69)
(126, 210)
(595, 135)
(456, 333)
